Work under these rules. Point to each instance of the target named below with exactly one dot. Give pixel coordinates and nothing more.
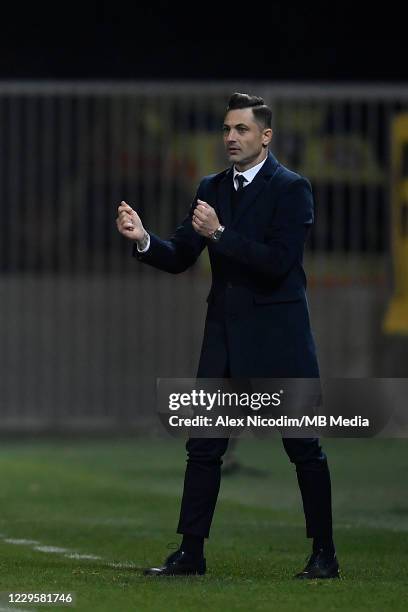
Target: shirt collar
(250, 174)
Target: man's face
(244, 139)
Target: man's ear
(268, 133)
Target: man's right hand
(128, 223)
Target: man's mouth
(233, 149)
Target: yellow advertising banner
(396, 318)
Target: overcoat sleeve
(181, 250)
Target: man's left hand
(205, 220)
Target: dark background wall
(129, 40)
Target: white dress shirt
(249, 174)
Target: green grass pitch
(117, 501)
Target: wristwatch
(217, 234)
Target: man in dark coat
(254, 218)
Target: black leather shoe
(320, 565)
(179, 563)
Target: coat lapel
(224, 198)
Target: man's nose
(231, 137)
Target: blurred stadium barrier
(84, 329)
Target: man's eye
(225, 130)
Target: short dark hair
(262, 112)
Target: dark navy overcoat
(257, 272)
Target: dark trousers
(204, 460)
(203, 475)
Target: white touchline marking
(69, 554)
(20, 542)
(51, 549)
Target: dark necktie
(241, 180)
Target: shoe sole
(335, 576)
